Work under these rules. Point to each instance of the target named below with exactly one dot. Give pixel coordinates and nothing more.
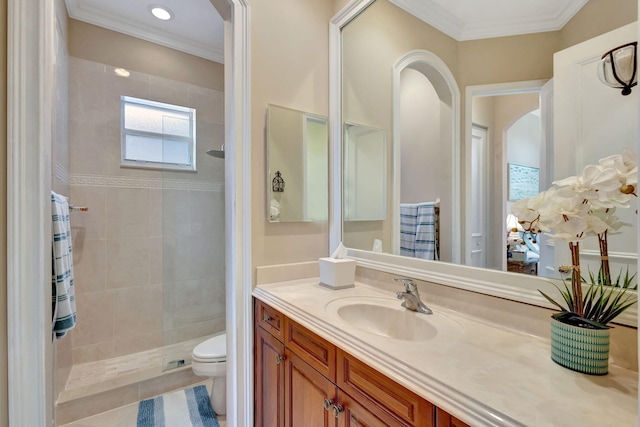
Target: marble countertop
(482, 374)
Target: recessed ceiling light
(121, 72)
(160, 12)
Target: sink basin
(385, 317)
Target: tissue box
(337, 273)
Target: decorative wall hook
(277, 185)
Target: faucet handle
(409, 284)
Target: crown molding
(78, 9)
(436, 16)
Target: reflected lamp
(618, 68)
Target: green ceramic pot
(580, 349)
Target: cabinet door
(305, 393)
(269, 380)
(370, 387)
(353, 414)
(445, 419)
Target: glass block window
(157, 135)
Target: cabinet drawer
(445, 419)
(316, 351)
(269, 319)
(371, 387)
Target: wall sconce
(277, 185)
(618, 67)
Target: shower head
(217, 153)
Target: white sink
(385, 317)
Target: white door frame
(29, 105)
(529, 86)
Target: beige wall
(598, 17)
(3, 216)
(289, 67)
(108, 47)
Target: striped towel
(183, 408)
(408, 219)
(62, 293)
(418, 230)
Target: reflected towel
(62, 294)
(418, 230)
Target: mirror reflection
(479, 144)
(297, 166)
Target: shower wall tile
(137, 310)
(127, 262)
(128, 212)
(140, 241)
(89, 264)
(175, 258)
(195, 330)
(89, 353)
(91, 224)
(175, 212)
(84, 154)
(135, 343)
(94, 318)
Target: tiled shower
(149, 253)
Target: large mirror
(297, 166)
(471, 129)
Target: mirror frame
(485, 281)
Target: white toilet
(209, 359)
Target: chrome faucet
(411, 297)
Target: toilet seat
(213, 350)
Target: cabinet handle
(337, 409)
(279, 359)
(328, 403)
(267, 319)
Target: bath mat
(184, 408)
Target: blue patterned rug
(184, 408)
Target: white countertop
(481, 374)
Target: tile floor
(124, 416)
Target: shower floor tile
(109, 370)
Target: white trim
(511, 88)
(31, 32)
(30, 25)
(432, 13)
(239, 313)
(94, 16)
(411, 60)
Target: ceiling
(196, 27)
(479, 19)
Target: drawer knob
(337, 409)
(267, 319)
(279, 359)
(328, 403)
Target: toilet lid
(212, 349)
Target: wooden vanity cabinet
(302, 380)
(269, 380)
